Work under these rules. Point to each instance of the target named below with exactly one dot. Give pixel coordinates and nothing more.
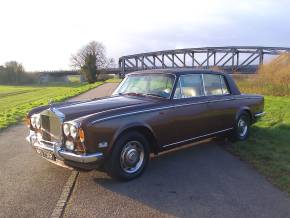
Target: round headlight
(38, 122)
(66, 130)
(33, 121)
(73, 131)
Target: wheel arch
(242, 110)
(143, 128)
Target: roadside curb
(64, 197)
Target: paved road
(198, 181)
(29, 185)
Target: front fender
(127, 127)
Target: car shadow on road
(200, 181)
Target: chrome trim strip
(260, 114)
(166, 107)
(191, 139)
(202, 78)
(109, 110)
(61, 154)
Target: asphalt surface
(202, 180)
(29, 185)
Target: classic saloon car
(149, 112)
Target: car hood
(75, 110)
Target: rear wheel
(129, 157)
(241, 129)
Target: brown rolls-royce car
(149, 112)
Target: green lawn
(268, 147)
(16, 101)
(113, 80)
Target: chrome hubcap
(242, 127)
(132, 157)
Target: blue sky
(42, 35)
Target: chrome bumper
(258, 115)
(62, 154)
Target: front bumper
(84, 161)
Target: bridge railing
(245, 59)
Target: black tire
(119, 159)
(242, 128)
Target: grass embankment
(16, 101)
(268, 147)
(113, 80)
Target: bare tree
(90, 58)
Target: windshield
(158, 85)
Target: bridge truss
(244, 59)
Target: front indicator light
(81, 135)
(27, 121)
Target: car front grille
(51, 128)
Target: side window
(189, 86)
(212, 84)
(224, 86)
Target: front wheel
(129, 157)
(241, 129)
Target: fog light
(39, 136)
(69, 145)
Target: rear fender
(243, 110)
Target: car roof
(177, 71)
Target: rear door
(220, 102)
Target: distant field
(16, 101)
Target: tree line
(88, 60)
(13, 72)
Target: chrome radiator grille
(51, 128)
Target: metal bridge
(243, 59)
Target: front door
(191, 110)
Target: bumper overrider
(60, 156)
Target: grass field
(114, 80)
(16, 101)
(268, 147)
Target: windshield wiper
(142, 94)
(132, 93)
(155, 95)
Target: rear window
(215, 85)
(189, 86)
